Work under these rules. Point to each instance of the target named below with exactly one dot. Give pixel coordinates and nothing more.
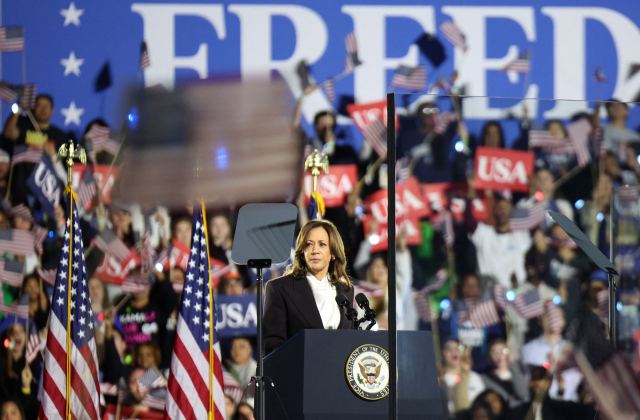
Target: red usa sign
(409, 202)
(362, 114)
(114, 272)
(500, 169)
(333, 186)
(412, 226)
(105, 175)
(452, 195)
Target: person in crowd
(241, 365)
(316, 277)
(17, 379)
(103, 157)
(147, 355)
(99, 298)
(21, 129)
(230, 286)
(594, 215)
(463, 385)
(221, 244)
(500, 250)
(136, 396)
(115, 347)
(626, 172)
(497, 406)
(429, 151)
(598, 281)
(616, 133)
(492, 135)
(38, 300)
(5, 165)
(543, 182)
(244, 412)
(12, 410)
(229, 406)
(505, 377)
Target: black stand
(259, 378)
(613, 327)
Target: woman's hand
(27, 377)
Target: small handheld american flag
(196, 387)
(412, 78)
(11, 38)
(145, 62)
(454, 34)
(529, 304)
(71, 362)
(520, 64)
(352, 61)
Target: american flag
(627, 194)
(11, 38)
(136, 283)
(611, 379)
(196, 348)
(109, 243)
(374, 134)
(521, 64)
(555, 317)
(144, 56)
(26, 154)
(403, 168)
(352, 61)
(39, 235)
(527, 218)
(26, 96)
(529, 304)
(454, 34)
(21, 211)
(232, 387)
(34, 346)
(103, 138)
(86, 189)
(17, 242)
(578, 135)
(70, 357)
(7, 94)
(11, 272)
(412, 78)
(442, 120)
(19, 308)
(544, 139)
(597, 136)
(329, 88)
(484, 314)
(599, 76)
(421, 297)
(442, 83)
(151, 379)
(48, 276)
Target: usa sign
(503, 169)
(333, 186)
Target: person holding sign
(305, 297)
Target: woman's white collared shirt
(325, 294)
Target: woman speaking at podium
(305, 297)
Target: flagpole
(211, 326)
(527, 77)
(70, 151)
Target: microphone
(343, 303)
(369, 314)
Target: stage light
(374, 239)
(638, 159)
(51, 234)
(546, 365)
(459, 146)
(579, 204)
(557, 300)
(619, 306)
(458, 378)
(358, 209)
(133, 118)
(539, 195)
(15, 108)
(444, 304)
(511, 295)
(600, 217)
(222, 157)
(100, 317)
(6, 343)
(159, 267)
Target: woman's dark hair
(323, 114)
(26, 280)
(481, 401)
(239, 416)
(98, 121)
(485, 130)
(105, 294)
(17, 403)
(555, 121)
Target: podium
(309, 372)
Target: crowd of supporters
(533, 281)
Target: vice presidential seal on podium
(367, 372)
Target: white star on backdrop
(72, 15)
(72, 64)
(72, 114)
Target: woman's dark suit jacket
(290, 307)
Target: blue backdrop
(199, 39)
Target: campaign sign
(115, 272)
(44, 183)
(379, 241)
(236, 315)
(410, 203)
(363, 114)
(333, 186)
(106, 176)
(503, 169)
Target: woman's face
(21, 224)
(317, 253)
(233, 287)
(495, 402)
(182, 232)
(451, 354)
(18, 336)
(32, 288)
(245, 413)
(145, 358)
(556, 129)
(499, 354)
(177, 275)
(480, 413)
(492, 136)
(471, 287)
(543, 182)
(10, 411)
(379, 272)
(220, 228)
(96, 291)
